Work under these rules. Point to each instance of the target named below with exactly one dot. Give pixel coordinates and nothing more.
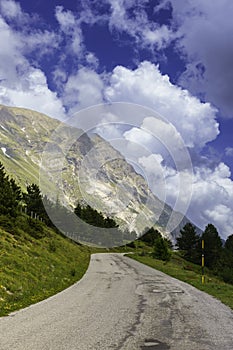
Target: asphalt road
(121, 304)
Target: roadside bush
(161, 250)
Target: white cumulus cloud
(196, 121)
(22, 84)
(205, 32)
(10, 8)
(211, 199)
(83, 90)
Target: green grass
(32, 269)
(190, 273)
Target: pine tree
(213, 246)
(10, 194)
(227, 255)
(229, 244)
(161, 250)
(150, 236)
(188, 242)
(34, 201)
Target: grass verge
(32, 269)
(190, 273)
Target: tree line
(14, 202)
(111, 236)
(218, 257)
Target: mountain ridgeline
(74, 167)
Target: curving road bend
(121, 304)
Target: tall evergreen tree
(226, 264)
(227, 256)
(229, 244)
(10, 194)
(34, 201)
(213, 246)
(150, 236)
(188, 242)
(161, 250)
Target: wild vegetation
(38, 261)
(35, 260)
(217, 257)
(185, 263)
(34, 267)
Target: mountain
(71, 166)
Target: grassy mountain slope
(34, 267)
(23, 134)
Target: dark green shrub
(161, 250)
(227, 275)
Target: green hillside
(34, 268)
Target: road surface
(121, 304)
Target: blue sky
(173, 56)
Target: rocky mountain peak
(88, 169)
